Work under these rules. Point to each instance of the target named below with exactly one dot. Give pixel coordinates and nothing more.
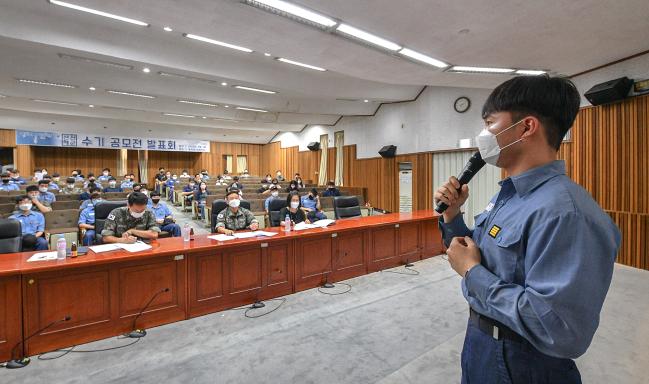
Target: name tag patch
(493, 232)
(489, 207)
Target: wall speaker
(610, 91)
(388, 151)
(314, 146)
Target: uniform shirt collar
(533, 178)
(234, 214)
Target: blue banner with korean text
(79, 140)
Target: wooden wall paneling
(64, 160)
(24, 160)
(7, 138)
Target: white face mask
(488, 144)
(105, 173)
(25, 207)
(295, 204)
(275, 193)
(71, 186)
(137, 215)
(112, 184)
(43, 189)
(234, 203)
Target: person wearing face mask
(34, 194)
(51, 186)
(312, 207)
(188, 192)
(331, 190)
(95, 197)
(220, 181)
(245, 173)
(92, 181)
(32, 224)
(171, 183)
(160, 179)
(184, 175)
(77, 175)
(204, 175)
(293, 209)
(163, 215)
(236, 184)
(226, 175)
(275, 183)
(87, 223)
(292, 186)
(14, 174)
(71, 188)
(127, 183)
(7, 185)
(112, 186)
(56, 180)
(235, 218)
(279, 176)
(538, 264)
(105, 175)
(45, 196)
(130, 223)
(274, 194)
(200, 197)
(298, 180)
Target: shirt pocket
(507, 249)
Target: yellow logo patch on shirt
(493, 232)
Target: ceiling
(38, 39)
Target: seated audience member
(50, 185)
(279, 176)
(331, 190)
(268, 179)
(127, 224)
(267, 190)
(245, 173)
(165, 183)
(87, 224)
(33, 193)
(226, 175)
(236, 184)
(77, 175)
(311, 205)
(45, 196)
(7, 185)
(292, 186)
(188, 191)
(92, 181)
(274, 194)
(200, 197)
(163, 215)
(32, 224)
(95, 197)
(14, 174)
(293, 210)
(105, 175)
(204, 175)
(56, 180)
(160, 179)
(137, 187)
(71, 188)
(184, 175)
(220, 181)
(298, 180)
(112, 186)
(171, 184)
(127, 183)
(235, 218)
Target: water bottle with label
(287, 223)
(61, 248)
(186, 231)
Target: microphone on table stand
(472, 167)
(138, 333)
(257, 303)
(24, 361)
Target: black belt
(493, 328)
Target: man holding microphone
(538, 264)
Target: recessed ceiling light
(460, 68)
(283, 60)
(39, 82)
(224, 84)
(167, 29)
(267, 54)
(55, 102)
(423, 58)
(531, 72)
(254, 89)
(92, 88)
(198, 103)
(251, 109)
(366, 101)
(203, 117)
(2, 96)
(227, 106)
(98, 13)
(95, 61)
(146, 70)
(130, 94)
(178, 115)
(91, 106)
(216, 42)
(368, 37)
(294, 10)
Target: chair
(62, 222)
(274, 207)
(346, 206)
(11, 238)
(218, 206)
(65, 205)
(102, 210)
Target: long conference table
(103, 292)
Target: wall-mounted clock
(462, 104)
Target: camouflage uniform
(73, 191)
(120, 220)
(235, 221)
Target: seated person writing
(311, 206)
(293, 210)
(163, 215)
(87, 223)
(127, 224)
(37, 204)
(235, 218)
(32, 224)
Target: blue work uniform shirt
(53, 187)
(160, 211)
(31, 222)
(89, 202)
(87, 215)
(548, 252)
(46, 197)
(126, 184)
(268, 200)
(309, 203)
(9, 187)
(104, 178)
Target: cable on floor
(44, 356)
(349, 288)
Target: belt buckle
(495, 332)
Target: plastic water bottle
(186, 231)
(61, 248)
(287, 224)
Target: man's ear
(531, 126)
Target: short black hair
(70, 180)
(90, 174)
(137, 185)
(20, 198)
(553, 100)
(231, 191)
(154, 194)
(93, 188)
(56, 174)
(4, 174)
(44, 181)
(314, 191)
(31, 188)
(137, 198)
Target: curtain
(143, 163)
(228, 163)
(338, 143)
(122, 161)
(242, 163)
(324, 149)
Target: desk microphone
(23, 361)
(138, 333)
(472, 167)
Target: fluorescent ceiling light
(178, 115)
(368, 37)
(186, 77)
(227, 106)
(197, 103)
(460, 68)
(283, 60)
(294, 10)
(267, 54)
(146, 70)
(366, 101)
(167, 29)
(251, 109)
(224, 84)
(91, 106)
(123, 109)
(423, 58)
(39, 82)
(92, 88)
(531, 72)
(95, 61)
(130, 94)
(254, 89)
(216, 42)
(98, 13)
(55, 102)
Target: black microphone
(135, 332)
(23, 361)
(472, 167)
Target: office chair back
(11, 236)
(346, 206)
(274, 207)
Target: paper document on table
(135, 247)
(324, 223)
(221, 237)
(248, 235)
(103, 248)
(302, 226)
(42, 256)
(264, 233)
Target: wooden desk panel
(313, 261)
(409, 244)
(10, 315)
(350, 255)
(431, 239)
